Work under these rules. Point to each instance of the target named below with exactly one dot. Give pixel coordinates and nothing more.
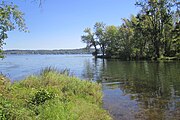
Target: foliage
(41, 97)
(52, 95)
(151, 34)
(96, 38)
(10, 18)
(90, 40)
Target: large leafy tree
(95, 38)
(126, 39)
(141, 36)
(111, 38)
(90, 40)
(159, 14)
(176, 37)
(10, 18)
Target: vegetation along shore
(51, 95)
(153, 33)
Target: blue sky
(59, 24)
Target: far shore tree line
(153, 33)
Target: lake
(132, 89)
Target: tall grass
(51, 95)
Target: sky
(59, 24)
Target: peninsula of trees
(151, 34)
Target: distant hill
(61, 51)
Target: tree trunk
(157, 50)
(96, 51)
(103, 50)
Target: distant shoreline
(54, 52)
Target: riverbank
(51, 95)
(144, 58)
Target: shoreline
(51, 94)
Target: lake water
(132, 90)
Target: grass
(51, 95)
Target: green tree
(95, 38)
(159, 13)
(126, 40)
(176, 37)
(152, 33)
(10, 18)
(111, 36)
(99, 28)
(90, 40)
(142, 36)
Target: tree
(96, 38)
(111, 36)
(99, 28)
(152, 33)
(159, 14)
(176, 37)
(90, 40)
(126, 39)
(10, 18)
(142, 36)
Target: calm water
(132, 90)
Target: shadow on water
(138, 90)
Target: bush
(41, 97)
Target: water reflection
(132, 90)
(138, 90)
(91, 69)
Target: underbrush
(51, 95)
